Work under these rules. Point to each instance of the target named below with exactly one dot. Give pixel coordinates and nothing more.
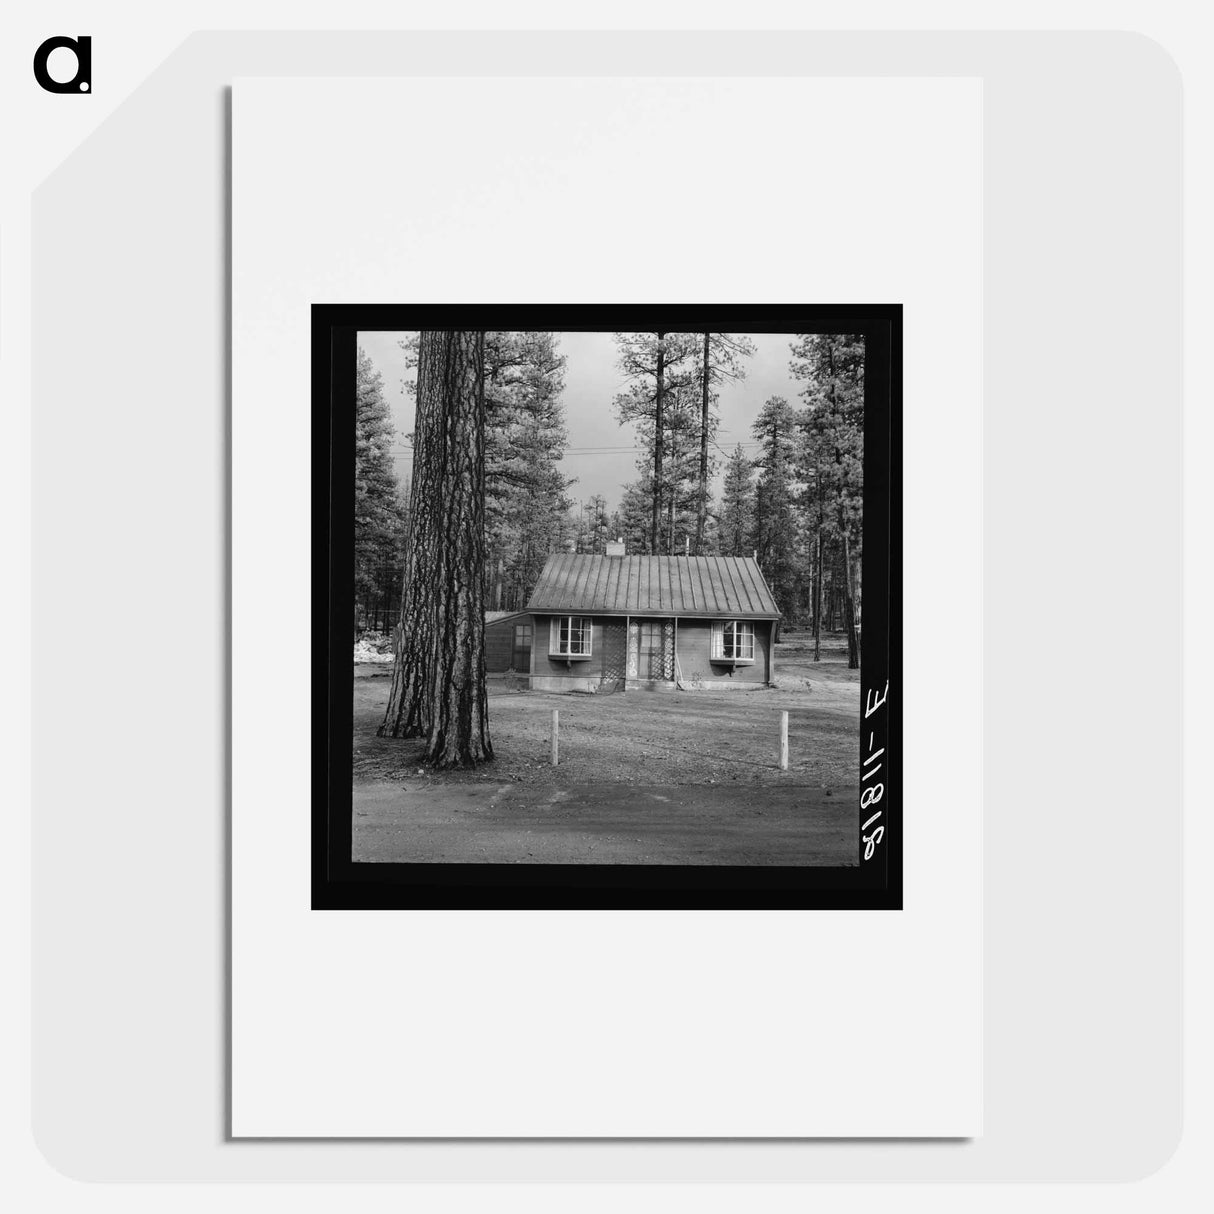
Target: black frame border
(338, 883)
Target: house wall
(499, 643)
(602, 671)
(612, 663)
(696, 665)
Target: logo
(82, 48)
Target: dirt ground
(644, 777)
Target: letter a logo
(82, 81)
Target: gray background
(1081, 798)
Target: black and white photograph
(592, 483)
(610, 608)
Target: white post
(783, 741)
(555, 719)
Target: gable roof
(707, 586)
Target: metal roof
(709, 586)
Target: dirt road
(424, 821)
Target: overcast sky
(592, 380)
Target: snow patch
(373, 647)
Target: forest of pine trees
(791, 494)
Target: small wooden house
(618, 622)
(508, 636)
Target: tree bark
(408, 714)
(702, 514)
(439, 680)
(459, 728)
(660, 388)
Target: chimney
(615, 547)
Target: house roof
(708, 586)
(496, 617)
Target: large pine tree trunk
(459, 728)
(441, 646)
(408, 713)
(658, 423)
(702, 514)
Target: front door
(613, 652)
(656, 651)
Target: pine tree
(654, 365)
(378, 516)
(775, 525)
(593, 525)
(632, 519)
(679, 496)
(720, 361)
(438, 684)
(525, 440)
(735, 525)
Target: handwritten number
(871, 841)
(872, 793)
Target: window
(733, 641)
(570, 636)
(521, 654)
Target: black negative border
(341, 884)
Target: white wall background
(1082, 154)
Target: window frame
(717, 645)
(585, 629)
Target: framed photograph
(569, 688)
(606, 616)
